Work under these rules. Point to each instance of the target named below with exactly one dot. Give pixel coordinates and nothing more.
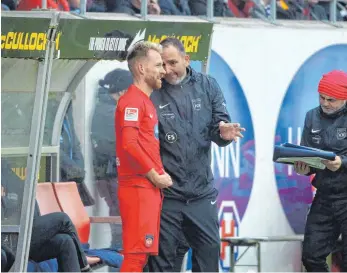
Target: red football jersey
(137, 138)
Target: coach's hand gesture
(230, 131)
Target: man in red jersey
(140, 171)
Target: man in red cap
(326, 129)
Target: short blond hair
(141, 50)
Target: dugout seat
(64, 197)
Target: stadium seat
(70, 202)
(46, 198)
(64, 197)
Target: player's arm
(130, 116)
(134, 149)
(219, 112)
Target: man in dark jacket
(326, 129)
(192, 113)
(53, 235)
(71, 158)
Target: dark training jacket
(328, 133)
(189, 114)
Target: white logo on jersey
(131, 114)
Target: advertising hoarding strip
(97, 39)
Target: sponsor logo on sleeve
(131, 114)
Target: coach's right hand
(301, 168)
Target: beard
(154, 83)
(331, 111)
(175, 81)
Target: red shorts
(140, 212)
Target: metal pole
(333, 15)
(43, 4)
(83, 7)
(56, 133)
(258, 256)
(209, 9)
(206, 63)
(232, 257)
(273, 10)
(144, 11)
(35, 145)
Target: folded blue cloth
(288, 150)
